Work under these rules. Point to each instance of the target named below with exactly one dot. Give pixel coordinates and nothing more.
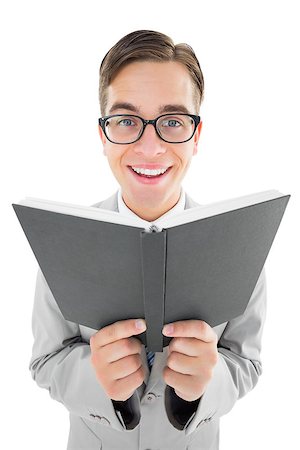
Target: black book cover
(101, 272)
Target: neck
(150, 212)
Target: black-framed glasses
(127, 128)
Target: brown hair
(146, 45)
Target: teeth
(149, 171)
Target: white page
(188, 215)
(212, 209)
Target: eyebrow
(162, 109)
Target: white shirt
(123, 209)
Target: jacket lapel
(110, 203)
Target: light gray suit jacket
(61, 363)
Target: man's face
(150, 89)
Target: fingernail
(140, 324)
(168, 329)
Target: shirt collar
(180, 205)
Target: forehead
(149, 86)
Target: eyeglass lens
(172, 128)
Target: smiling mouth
(148, 175)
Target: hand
(192, 356)
(116, 358)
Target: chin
(149, 198)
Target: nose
(150, 143)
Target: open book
(102, 267)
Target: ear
(196, 137)
(103, 139)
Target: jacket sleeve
(61, 363)
(236, 372)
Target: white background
(50, 56)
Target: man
(118, 394)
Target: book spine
(153, 256)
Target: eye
(126, 122)
(171, 122)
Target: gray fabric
(61, 363)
